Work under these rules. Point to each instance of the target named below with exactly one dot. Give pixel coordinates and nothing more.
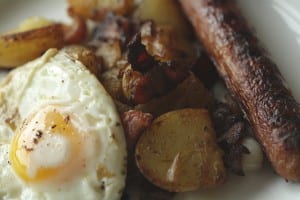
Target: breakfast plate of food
(149, 99)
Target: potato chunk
(32, 23)
(190, 93)
(179, 152)
(164, 12)
(85, 56)
(18, 48)
(97, 9)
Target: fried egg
(60, 133)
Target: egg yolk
(46, 146)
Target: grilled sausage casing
(252, 78)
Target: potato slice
(97, 9)
(179, 152)
(85, 56)
(20, 47)
(32, 23)
(190, 93)
(164, 12)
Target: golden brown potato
(164, 44)
(164, 12)
(179, 152)
(20, 47)
(85, 56)
(136, 86)
(32, 23)
(97, 9)
(190, 93)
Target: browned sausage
(252, 78)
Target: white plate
(277, 23)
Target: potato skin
(253, 78)
(85, 56)
(190, 93)
(179, 152)
(164, 12)
(21, 47)
(97, 9)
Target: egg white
(56, 79)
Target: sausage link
(252, 78)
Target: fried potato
(163, 12)
(162, 42)
(97, 9)
(85, 56)
(190, 93)
(179, 152)
(18, 48)
(32, 23)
